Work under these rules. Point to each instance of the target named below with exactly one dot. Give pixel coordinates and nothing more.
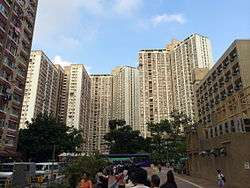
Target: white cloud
(95, 7)
(127, 7)
(68, 42)
(59, 60)
(164, 18)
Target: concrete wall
(232, 164)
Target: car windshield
(41, 167)
(6, 168)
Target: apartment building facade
(100, 112)
(126, 96)
(166, 78)
(78, 97)
(221, 140)
(41, 88)
(17, 20)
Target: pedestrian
(170, 181)
(121, 179)
(221, 179)
(86, 182)
(101, 179)
(139, 178)
(155, 181)
(159, 167)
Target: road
(181, 182)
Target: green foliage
(37, 141)
(168, 141)
(123, 139)
(89, 164)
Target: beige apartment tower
(41, 88)
(126, 96)
(166, 78)
(100, 112)
(17, 20)
(77, 97)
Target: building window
(221, 129)
(226, 128)
(216, 131)
(211, 133)
(206, 134)
(232, 126)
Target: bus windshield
(6, 167)
(42, 167)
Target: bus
(46, 171)
(140, 160)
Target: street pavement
(181, 181)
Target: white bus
(46, 171)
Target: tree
(43, 134)
(123, 139)
(89, 164)
(168, 138)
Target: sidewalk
(197, 182)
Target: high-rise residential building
(100, 112)
(64, 93)
(155, 87)
(60, 96)
(77, 97)
(41, 88)
(126, 97)
(17, 20)
(192, 53)
(166, 78)
(223, 118)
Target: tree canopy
(123, 139)
(36, 143)
(168, 142)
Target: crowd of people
(136, 177)
(127, 177)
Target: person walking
(139, 178)
(155, 181)
(221, 179)
(101, 179)
(170, 181)
(86, 182)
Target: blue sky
(102, 34)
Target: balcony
(11, 48)
(2, 25)
(214, 74)
(17, 99)
(8, 63)
(7, 77)
(236, 71)
(238, 85)
(21, 73)
(223, 96)
(219, 69)
(14, 35)
(2, 108)
(21, 3)
(233, 54)
(230, 91)
(225, 63)
(8, 2)
(4, 11)
(18, 9)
